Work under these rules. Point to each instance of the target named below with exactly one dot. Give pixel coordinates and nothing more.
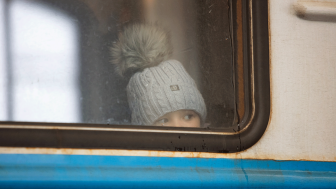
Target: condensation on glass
(55, 57)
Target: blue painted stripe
(79, 171)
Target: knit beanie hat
(157, 86)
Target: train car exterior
(296, 150)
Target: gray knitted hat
(162, 89)
(156, 87)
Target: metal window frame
(237, 138)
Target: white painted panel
(303, 85)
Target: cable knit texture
(162, 89)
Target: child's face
(179, 118)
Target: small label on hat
(174, 87)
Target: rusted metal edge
(46, 127)
(154, 153)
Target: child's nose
(176, 123)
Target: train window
(128, 74)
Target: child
(160, 92)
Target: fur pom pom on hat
(157, 86)
(140, 46)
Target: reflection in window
(3, 74)
(43, 62)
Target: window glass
(3, 73)
(56, 63)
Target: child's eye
(188, 117)
(161, 121)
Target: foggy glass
(55, 57)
